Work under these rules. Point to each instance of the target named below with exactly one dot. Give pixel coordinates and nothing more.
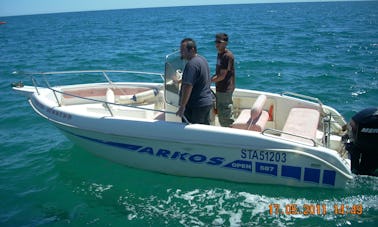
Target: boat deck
(102, 110)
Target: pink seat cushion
(302, 122)
(253, 119)
(244, 121)
(259, 123)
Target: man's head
(188, 48)
(221, 41)
(221, 38)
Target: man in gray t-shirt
(195, 94)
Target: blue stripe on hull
(329, 177)
(291, 171)
(113, 144)
(310, 174)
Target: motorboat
(129, 117)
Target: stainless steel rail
(105, 74)
(290, 134)
(292, 94)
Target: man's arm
(220, 77)
(186, 90)
(223, 72)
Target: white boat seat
(253, 119)
(302, 122)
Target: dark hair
(221, 36)
(190, 44)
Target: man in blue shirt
(195, 94)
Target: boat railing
(171, 54)
(94, 71)
(271, 131)
(35, 85)
(107, 104)
(105, 74)
(296, 95)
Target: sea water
(324, 50)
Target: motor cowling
(363, 142)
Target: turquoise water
(325, 50)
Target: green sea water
(324, 50)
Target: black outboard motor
(363, 142)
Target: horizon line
(197, 5)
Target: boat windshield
(174, 66)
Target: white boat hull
(121, 134)
(244, 164)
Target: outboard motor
(363, 142)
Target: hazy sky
(26, 7)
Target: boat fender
(143, 96)
(139, 97)
(125, 99)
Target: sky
(27, 7)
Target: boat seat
(302, 122)
(253, 119)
